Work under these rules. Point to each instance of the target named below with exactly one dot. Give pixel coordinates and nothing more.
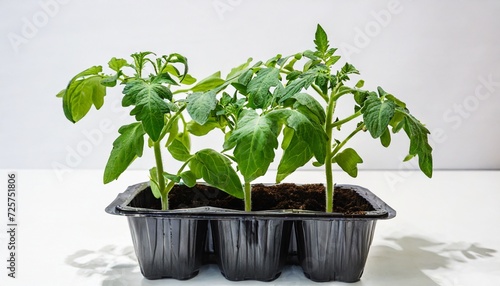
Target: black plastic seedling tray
(249, 245)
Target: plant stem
(318, 90)
(329, 182)
(339, 146)
(248, 197)
(329, 192)
(164, 203)
(160, 178)
(345, 120)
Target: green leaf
(226, 99)
(164, 78)
(155, 186)
(308, 131)
(390, 97)
(321, 40)
(82, 93)
(332, 60)
(187, 79)
(180, 147)
(317, 164)
(273, 61)
(110, 81)
(397, 119)
(295, 86)
(293, 75)
(395, 100)
(98, 91)
(208, 83)
(348, 160)
(236, 71)
(61, 93)
(360, 83)
(189, 178)
(419, 145)
(254, 140)
(349, 69)
(140, 60)
(200, 105)
(178, 58)
(311, 55)
(150, 107)
(385, 139)
(377, 113)
(408, 158)
(287, 137)
(173, 130)
(309, 139)
(128, 146)
(116, 64)
(259, 95)
(297, 153)
(216, 170)
(199, 130)
(360, 96)
(322, 82)
(95, 70)
(245, 78)
(153, 177)
(75, 103)
(171, 177)
(310, 107)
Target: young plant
(378, 112)
(271, 99)
(159, 119)
(253, 120)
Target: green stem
(328, 157)
(164, 201)
(339, 146)
(248, 197)
(160, 178)
(184, 165)
(318, 90)
(177, 114)
(172, 121)
(164, 196)
(329, 183)
(330, 191)
(347, 119)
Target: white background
(438, 56)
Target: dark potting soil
(270, 197)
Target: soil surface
(270, 197)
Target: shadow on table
(116, 266)
(400, 261)
(407, 258)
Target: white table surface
(66, 238)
